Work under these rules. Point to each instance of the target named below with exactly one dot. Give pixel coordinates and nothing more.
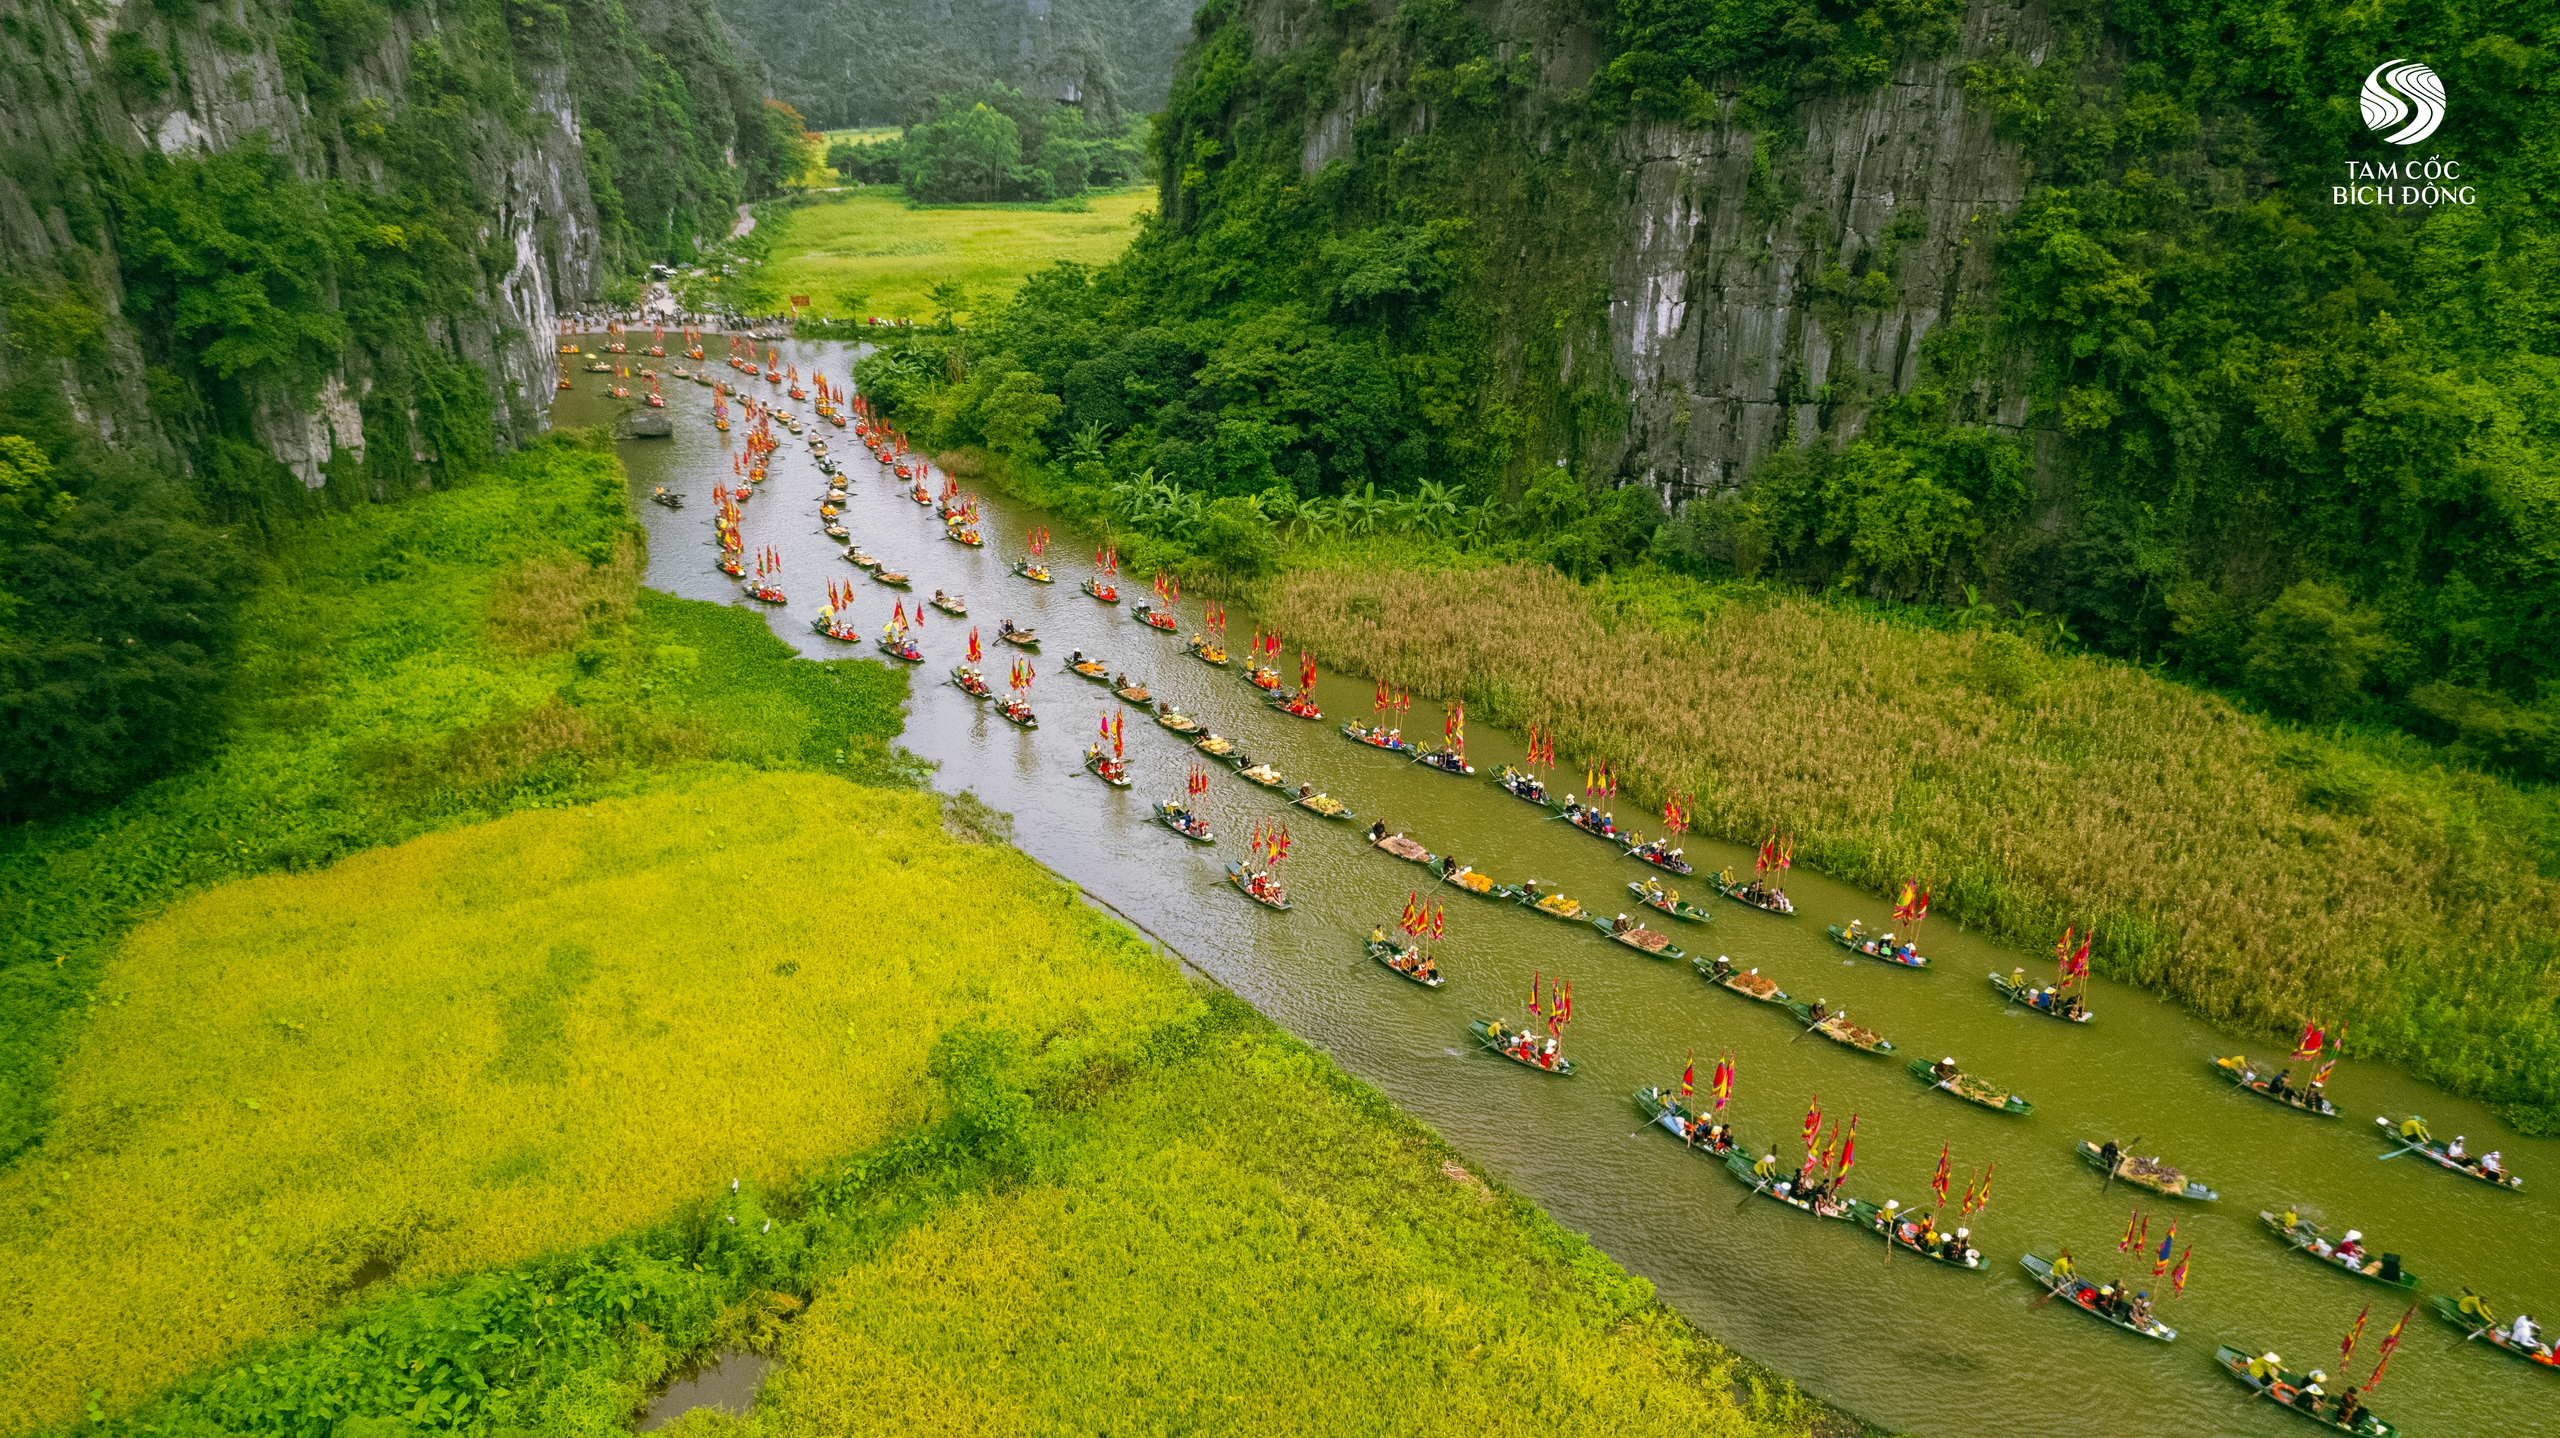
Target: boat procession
(1191, 773)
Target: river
(1909, 1344)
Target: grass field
(410, 667)
(865, 253)
(2263, 877)
(495, 1042)
(1248, 1243)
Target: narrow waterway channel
(1910, 1344)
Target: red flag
(1849, 1147)
(2322, 1076)
(2131, 1218)
(1689, 1075)
(1938, 1181)
(2390, 1345)
(2309, 1045)
(1812, 1122)
(2062, 951)
(2160, 1264)
(1535, 1006)
(2347, 1346)
(2178, 1279)
(1724, 1082)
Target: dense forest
(998, 144)
(2284, 445)
(851, 62)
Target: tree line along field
(524, 996)
(866, 252)
(2262, 878)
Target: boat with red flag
(1258, 877)
(1108, 760)
(1522, 1045)
(1016, 707)
(1210, 648)
(1421, 919)
(1104, 582)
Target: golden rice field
(1244, 1243)
(864, 252)
(2261, 877)
(507, 1040)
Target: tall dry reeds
(2260, 876)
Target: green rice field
(499, 1041)
(864, 252)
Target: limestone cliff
(87, 93)
(1744, 311)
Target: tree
(1014, 412)
(2309, 651)
(967, 155)
(1235, 538)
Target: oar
(1755, 1189)
(2395, 1153)
(1817, 1023)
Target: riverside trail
(1813, 1300)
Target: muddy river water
(1910, 1344)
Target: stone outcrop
(1742, 316)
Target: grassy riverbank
(411, 667)
(868, 252)
(2261, 874)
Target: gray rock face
(58, 93)
(1740, 320)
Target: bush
(2308, 653)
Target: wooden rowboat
(1262, 774)
(1597, 824)
(970, 682)
(1093, 669)
(1208, 653)
(1651, 894)
(1018, 638)
(1386, 739)
(1447, 761)
(1665, 1112)
(1175, 720)
(1662, 856)
(2241, 1071)
(1876, 949)
(1394, 961)
(2450, 1310)
(1641, 939)
(1404, 848)
(1903, 1233)
(1323, 806)
(1113, 772)
(952, 604)
(2148, 1173)
(1152, 617)
(1521, 785)
(2286, 1389)
(2313, 1241)
(1750, 984)
(1480, 885)
(1244, 879)
(1767, 901)
(1107, 596)
(893, 578)
(1177, 818)
(2083, 1295)
(1972, 1090)
(1133, 693)
(1739, 1164)
(1296, 706)
(1018, 713)
(1837, 1028)
(2436, 1153)
(902, 648)
(1037, 574)
(861, 558)
(2029, 997)
(1214, 745)
(1553, 905)
(1492, 1036)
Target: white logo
(2399, 90)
